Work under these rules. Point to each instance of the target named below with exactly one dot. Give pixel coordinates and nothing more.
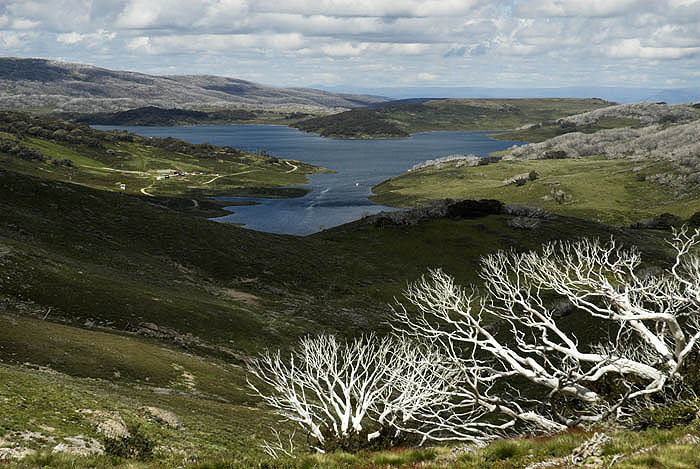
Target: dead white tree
(278, 448)
(648, 325)
(334, 387)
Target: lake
(335, 198)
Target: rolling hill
(404, 117)
(121, 316)
(40, 85)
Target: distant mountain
(617, 94)
(45, 85)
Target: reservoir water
(335, 198)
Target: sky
(371, 43)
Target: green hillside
(119, 314)
(121, 304)
(402, 119)
(614, 191)
(121, 162)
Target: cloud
(70, 38)
(24, 23)
(370, 8)
(93, 39)
(458, 41)
(10, 40)
(578, 8)
(423, 76)
(633, 48)
(140, 44)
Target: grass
(85, 273)
(649, 449)
(398, 120)
(604, 190)
(117, 162)
(84, 269)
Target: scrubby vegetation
(120, 161)
(623, 115)
(401, 119)
(620, 176)
(38, 85)
(156, 116)
(360, 123)
(617, 191)
(125, 325)
(676, 144)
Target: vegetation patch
(404, 118)
(615, 191)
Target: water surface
(334, 198)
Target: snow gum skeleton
(511, 334)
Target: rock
(591, 448)
(524, 223)
(9, 454)
(687, 440)
(523, 211)
(110, 424)
(113, 428)
(79, 446)
(163, 416)
(521, 179)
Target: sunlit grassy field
(614, 191)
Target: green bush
(504, 449)
(667, 415)
(354, 442)
(135, 446)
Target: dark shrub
(667, 416)
(474, 208)
(355, 442)
(135, 446)
(695, 219)
(555, 155)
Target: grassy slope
(449, 114)
(83, 270)
(606, 190)
(133, 162)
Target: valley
(129, 318)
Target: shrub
(504, 449)
(667, 416)
(135, 446)
(354, 442)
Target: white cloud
(344, 49)
(92, 39)
(24, 23)
(70, 38)
(633, 48)
(370, 41)
(579, 8)
(423, 76)
(140, 44)
(10, 40)
(376, 8)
